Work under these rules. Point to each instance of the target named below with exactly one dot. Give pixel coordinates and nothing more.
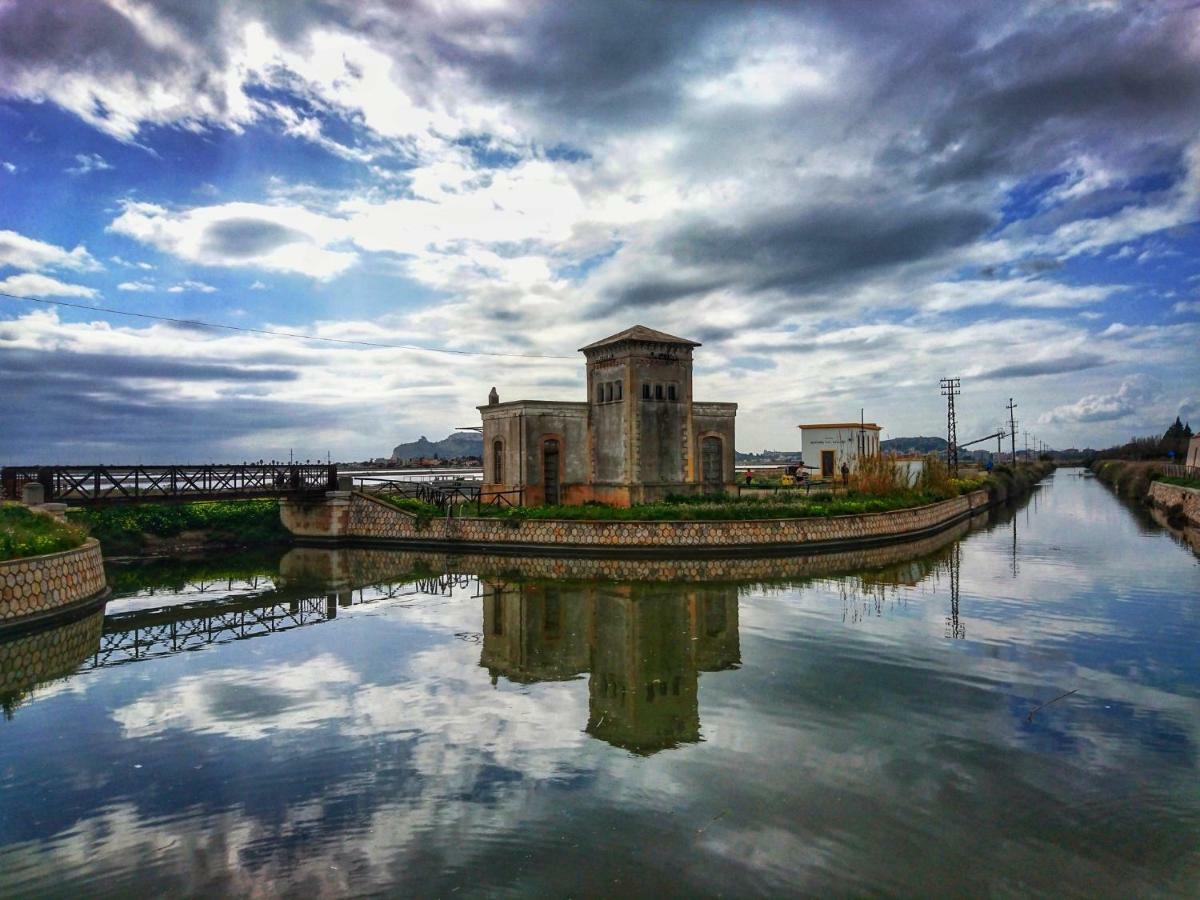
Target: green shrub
(24, 533)
(121, 528)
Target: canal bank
(354, 517)
(1176, 502)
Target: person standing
(845, 474)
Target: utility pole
(1027, 446)
(950, 390)
(1012, 429)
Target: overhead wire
(274, 333)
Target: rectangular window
(645, 392)
(599, 393)
(618, 384)
(658, 395)
(670, 392)
(608, 391)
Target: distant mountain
(461, 443)
(914, 445)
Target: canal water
(1011, 708)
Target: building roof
(865, 426)
(640, 333)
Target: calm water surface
(372, 722)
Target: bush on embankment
(24, 533)
(135, 529)
(1129, 478)
(1008, 483)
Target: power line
(288, 334)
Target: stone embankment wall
(1182, 504)
(360, 566)
(38, 585)
(363, 518)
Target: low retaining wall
(362, 518)
(38, 586)
(1169, 496)
(898, 562)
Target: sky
(843, 201)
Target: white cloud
(86, 163)
(1135, 392)
(1185, 307)
(33, 285)
(197, 286)
(135, 286)
(8, 167)
(276, 238)
(31, 255)
(258, 286)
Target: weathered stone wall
(374, 519)
(41, 584)
(324, 518)
(1168, 496)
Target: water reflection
(644, 647)
(369, 722)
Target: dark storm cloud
(20, 364)
(1062, 365)
(798, 250)
(246, 237)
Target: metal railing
(444, 495)
(115, 484)
(1178, 470)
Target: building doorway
(826, 463)
(550, 472)
(711, 464)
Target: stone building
(638, 437)
(826, 445)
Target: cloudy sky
(844, 201)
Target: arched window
(498, 462)
(608, 393)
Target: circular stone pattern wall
(40, 584)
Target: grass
(722, 508)
(237, 522)
(23, 533)
(1180, 482)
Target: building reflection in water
(643, 646)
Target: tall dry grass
(876, 476)
(936, 478)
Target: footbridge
(102, 485)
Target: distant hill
(461, 443)
(914, 445)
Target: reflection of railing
(151, 633)
(111, 484)
(444, 495)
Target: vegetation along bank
(164, 529)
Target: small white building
(826, 445)
(1193, 452)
